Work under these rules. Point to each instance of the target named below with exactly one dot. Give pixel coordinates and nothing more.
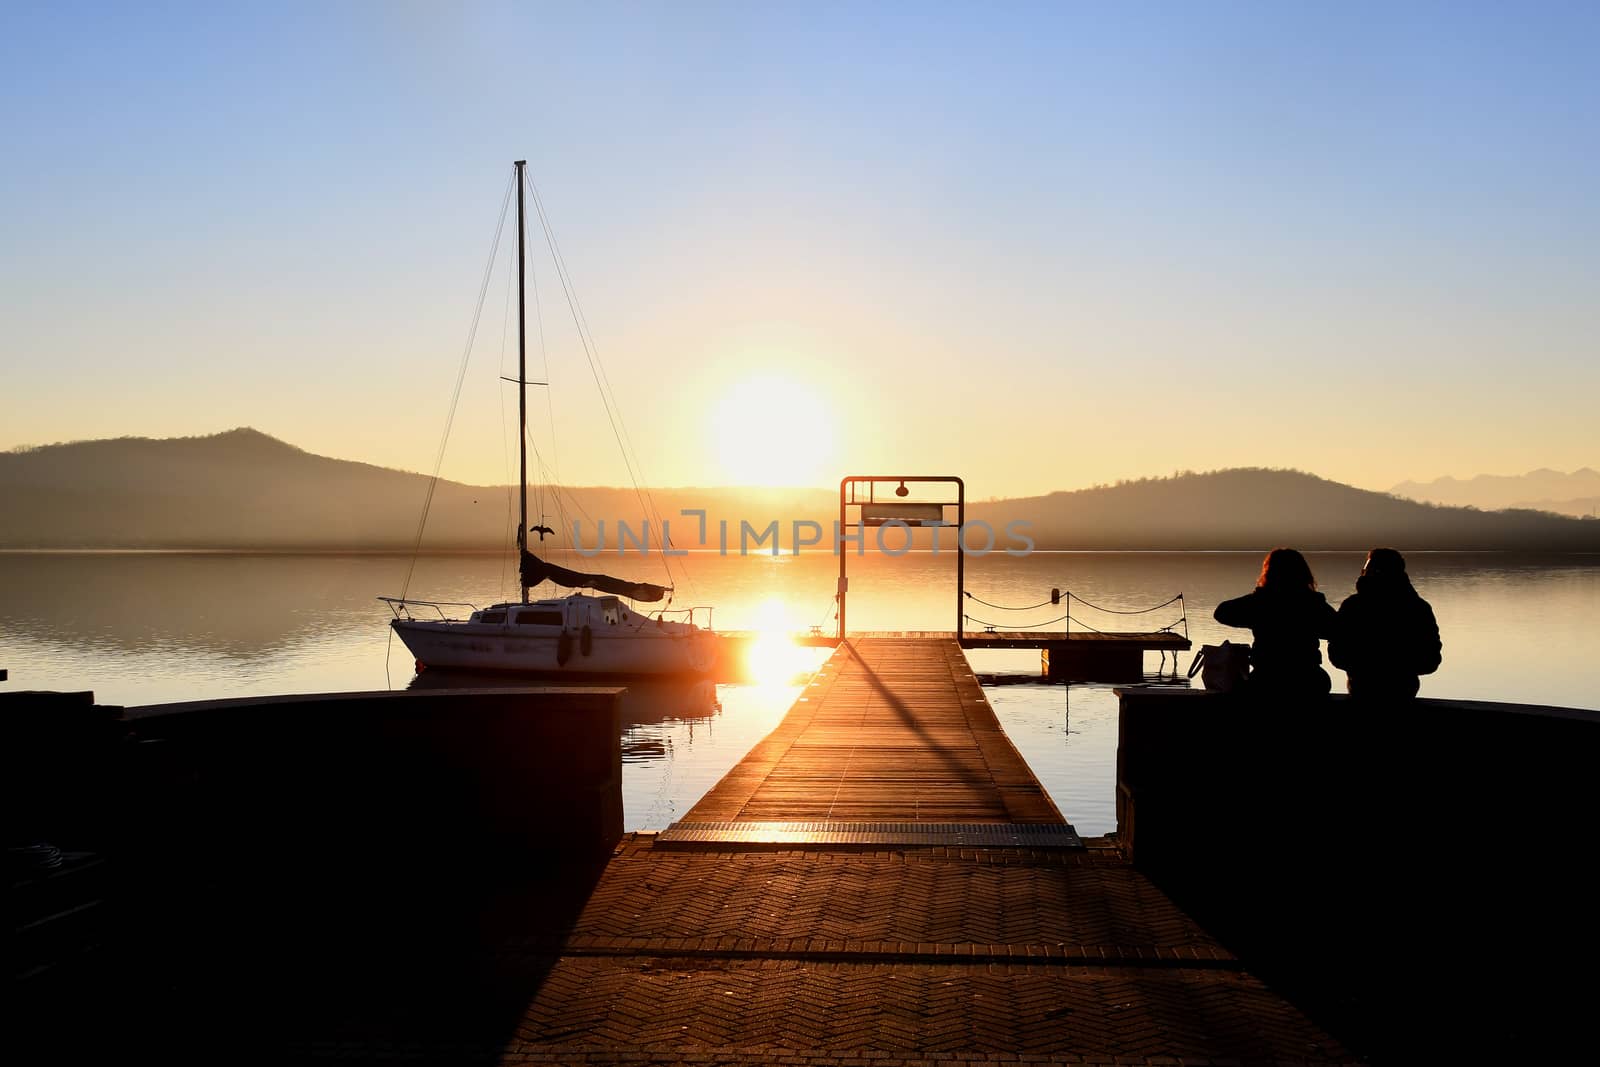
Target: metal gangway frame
(895, 509)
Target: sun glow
(773, 658)
(776, 431)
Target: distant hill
(1583, 507)
(245, 490)
(1259, 508)
(1577, 493)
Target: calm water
(147, 628)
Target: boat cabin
(573, 612)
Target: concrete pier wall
(1414, 876)
(216, 852)
(512, 773)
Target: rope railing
(1008, 607)
(1134, 611)
(1171, 627)
(1069, 596)
(1057, 596)
(1021, 625)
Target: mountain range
(246, 490)
(1576, 493)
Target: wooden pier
(890, 729)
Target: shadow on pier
(902, 710)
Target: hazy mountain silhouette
(1583, 507)
(245, 490)
(1577, 493)
(1259, 508)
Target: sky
(1039, 246)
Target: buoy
(586, 640)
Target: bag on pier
(1223, 668)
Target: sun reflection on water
(773, 658)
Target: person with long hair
(1387, 636)
(1288, 620)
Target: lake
(141, 628)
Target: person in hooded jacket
(1387, 636)
(1287, 619)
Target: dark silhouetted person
(1387, 635)
(1288, 618)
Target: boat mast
(522, 380)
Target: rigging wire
(597, 370)
(544, 471)
(455, 396)
(505, 451)
(557, 496)
(550, 472)
(554, 478)
(548, 475)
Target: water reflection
(142, 627)
(149, 627)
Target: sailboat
(578, 633)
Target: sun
(773, 430)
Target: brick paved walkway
(909, 954)
(813, 957)
(831, 956)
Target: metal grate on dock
(830, 832)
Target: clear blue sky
(1041, 245)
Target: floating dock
(1079, 656)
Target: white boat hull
(479, 647)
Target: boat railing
(401, 607)
(687, 615)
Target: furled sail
(536, 570)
